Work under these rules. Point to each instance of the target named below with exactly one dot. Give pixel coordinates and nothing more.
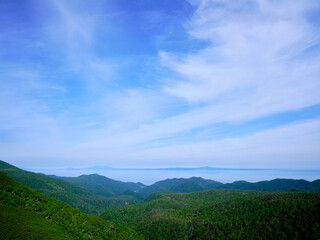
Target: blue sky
(160, 83)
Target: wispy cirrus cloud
(257, 56)
(73, 30)
(280, 147)
(125, 84)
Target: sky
(160, 83)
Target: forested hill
(82, 191)
(223, 214)
(28, 214)
(276, 185)
(194, 184)
(74, 195)
(102, 185)
(108, 187)
(180, 185)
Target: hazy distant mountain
(276, 185)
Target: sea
(224, 175)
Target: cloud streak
(257, 52)
(122, 95)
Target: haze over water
(148, 177)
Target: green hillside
(187, 187)
(120, 200)
(194, 184)
(224, 214)
(75, 196)
(19, 223)
(28, 214)
(276, 185)
(102, 185)
(180, 185)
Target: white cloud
(292, 146)
(255, 60)
(74, 30)
(295, 145)
(255, 66)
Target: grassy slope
(224, 214)
(28, 213)
(75, 196)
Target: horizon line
(172, 169)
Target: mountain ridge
(107, 187)
(74, 195)
(28, 214)
(102, 185)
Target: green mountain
(28, 214)
(103, 186)
(275, 185)
(194, 184)
(180, 185)
(223, 214)
(187, 187)
(74, 195)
